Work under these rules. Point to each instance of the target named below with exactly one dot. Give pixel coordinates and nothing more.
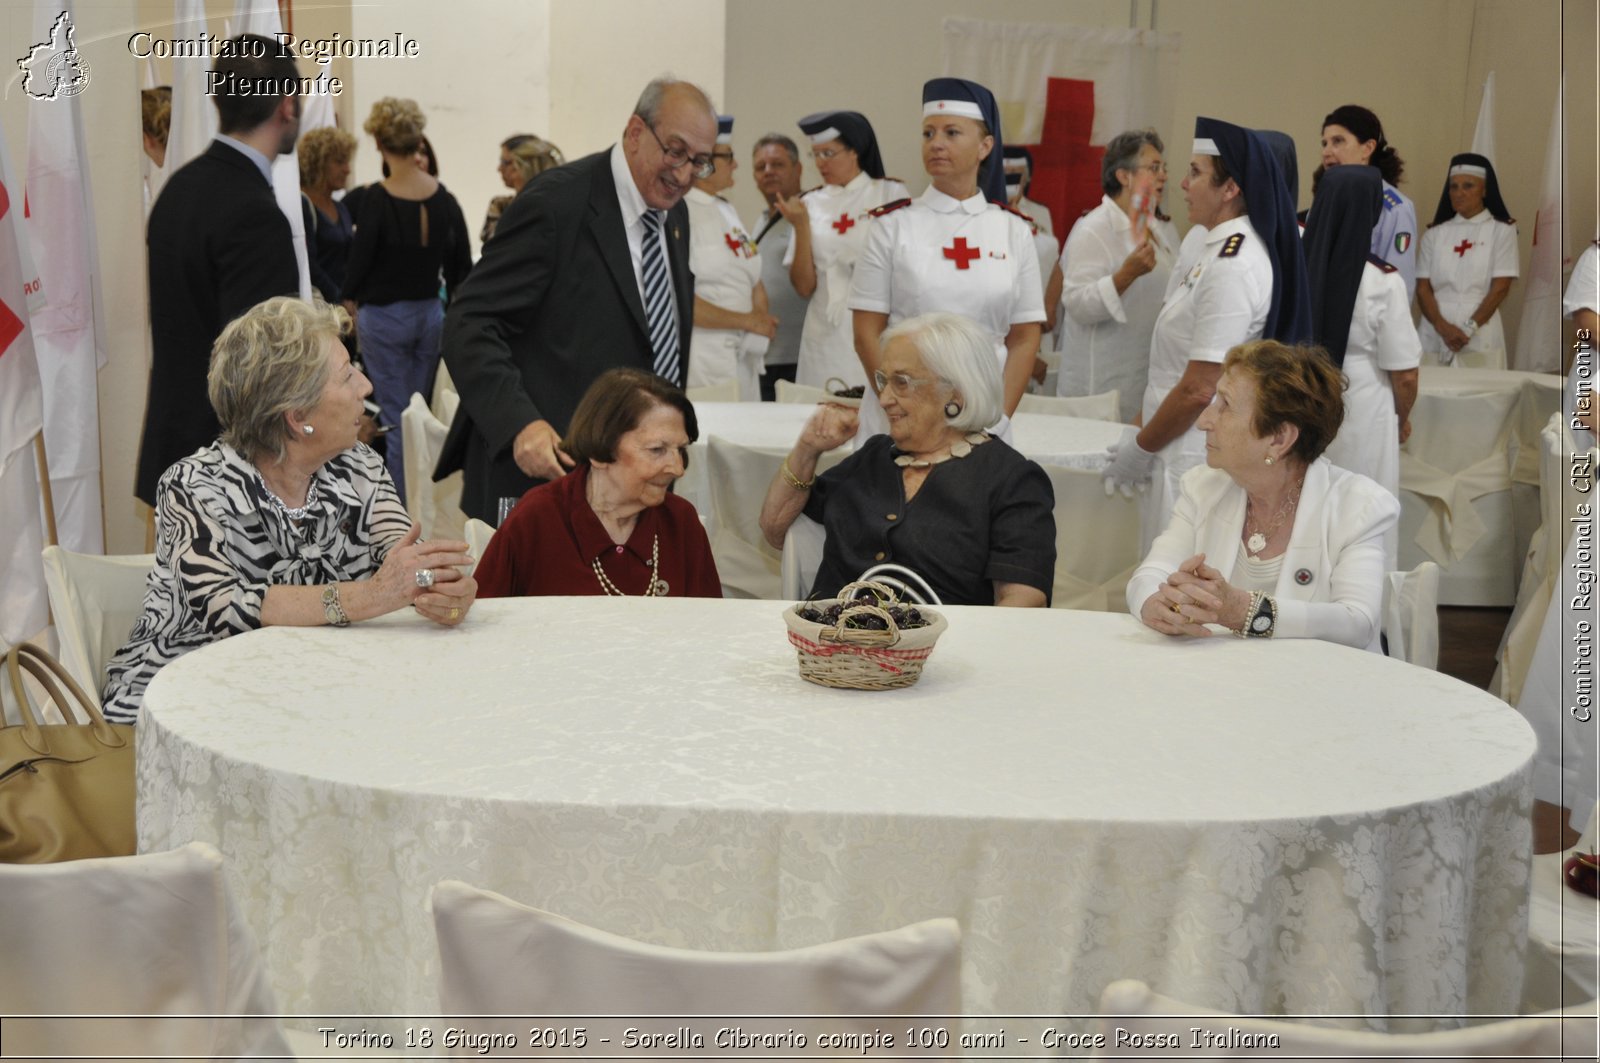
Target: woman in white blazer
(1269, 539)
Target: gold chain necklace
(1257, 540)
(656, 588)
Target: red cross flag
(23, 609)
(1064, 91)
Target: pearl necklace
(1257, 540)
(959, 449)
(656, 588)
(292, 512)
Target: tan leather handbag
(66, 790)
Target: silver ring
(424, 578)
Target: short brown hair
(614, 405)
(1294, 385)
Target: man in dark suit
(218, 245)
(569, 287)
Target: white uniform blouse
(1105, 340)
(967, 256)
(1460, 258)
(840, 221)
(1381, 341)
(1217, 298)
(727, 268)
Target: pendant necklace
(1257, 540)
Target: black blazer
(218, 245)
(551, 305)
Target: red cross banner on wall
(1066, 167)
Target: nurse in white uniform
(1019, 171)
(956, 247)
(1114, 274)
(731, 323)
(831, 224)
(1360, 316)
(1245, 280)
(1465, 269)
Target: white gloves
(1130, 465)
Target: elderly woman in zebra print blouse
(286, 519)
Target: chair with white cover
(740, 476)
(95, 599)
(1132, 1015)
(435, 506)
(727, 391)
(1097, 542)
(499, 957)
(142, 940)
(789, 391)
(1411, 615)
(1563, 932)
(803, 544)
(445, 396)
(477, 533)
(1105, 406)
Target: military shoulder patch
(1402, 242)
(1230, 246)
(1391, 199)
(1381, 264)
(1009, 209)
(888, 208)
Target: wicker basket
(856, 659)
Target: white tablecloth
(1469, 478)
(1254, 826)
(774, 426)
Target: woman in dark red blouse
(610, 526)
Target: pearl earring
(307, 429)
(1269, 459)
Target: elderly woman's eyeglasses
(1158, 169)
(899, 383)
(704, 165)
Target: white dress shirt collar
(628, 197)
(263, 163)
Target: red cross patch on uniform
(1230, 246)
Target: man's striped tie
(658, 300)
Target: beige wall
(1273, 63)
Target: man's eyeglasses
(704, 165)
(899, 383)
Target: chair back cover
(1105, 406)
(95, 600)
(477, 533)
(1411, 615)
(739, 476)
(435, 506)
(1135, 1008)
(727, 391)
(789, 391)
(139, 939)
(499, 957)
(802, 556)
(1097, 542)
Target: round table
(1255, 826)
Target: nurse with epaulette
(957, 247)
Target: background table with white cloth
(1469, 478)
(1250, 825)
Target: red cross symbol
(733, 245)
(960, 253)
(844, 224)
(1463, 247)
(1066, 166)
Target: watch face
(1261, 623)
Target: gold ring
(455, 614)
(1176, 608)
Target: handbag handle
(49, 672)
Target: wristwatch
(332, 609)
(1261, 618)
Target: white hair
(961, 354)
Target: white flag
(1483, 135)
(194, 116)
(67, 329)
(23, 605)
(261, 16)
(1538, 347)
